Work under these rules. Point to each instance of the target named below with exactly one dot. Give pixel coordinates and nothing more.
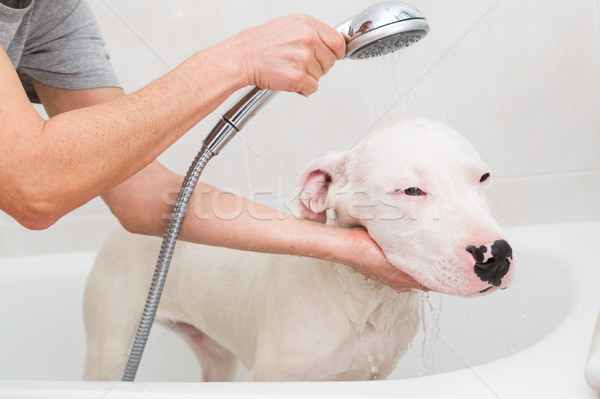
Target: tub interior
(42, 335)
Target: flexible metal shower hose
(231, 123)
(163, 262)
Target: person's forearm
(215, 217)
(221, 218)
(143, 204)
(81, 153)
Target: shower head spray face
(383, 28)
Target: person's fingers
(315, 69)
(309, 86)
(401, 281)
(327, 48)
(332, 39)
(325, 58)
(291, 48)
(320, 57)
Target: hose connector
(236, 118)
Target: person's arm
(99, 141)
(236, 222)
(48, 168)
(142, 205)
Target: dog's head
(419, 188)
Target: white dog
(419, 189)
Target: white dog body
(418, 188)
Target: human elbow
(37, 215)
(36, 223)
(133, 213)
(34, 207)
(136, 224)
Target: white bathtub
(529, 341)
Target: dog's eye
(484, 177)
(414, 191)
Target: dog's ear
(314, 185)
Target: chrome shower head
(383, 28)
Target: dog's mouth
(492, 288)
(486, 290)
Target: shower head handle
(236, 118)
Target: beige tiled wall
(520, 79)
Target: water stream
(359, 328)
(429, 313)
(406, 83)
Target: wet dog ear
(314, 185)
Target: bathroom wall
(520, 79)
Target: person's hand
(288, 54)
(366, 257)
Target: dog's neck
(363, 297)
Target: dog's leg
(250, 377)
(112, 308)
(109, 335)
(257, 374)
(218, 363)
(105, 360)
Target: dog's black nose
(492, 262)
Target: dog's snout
(492, 261)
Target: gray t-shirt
(56, 42)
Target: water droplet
(374, 370)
